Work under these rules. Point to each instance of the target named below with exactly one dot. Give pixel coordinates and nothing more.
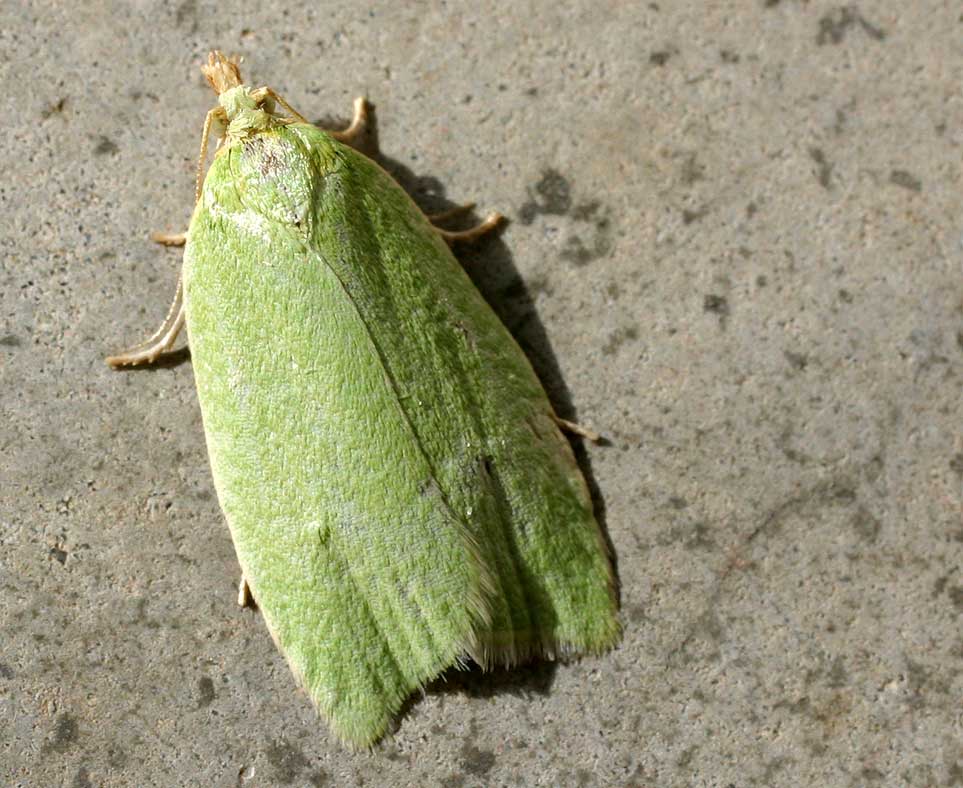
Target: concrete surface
(735, 249)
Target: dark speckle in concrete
(186, 15)
(660, 57)
(575, 251)
(476, 762)
(319, 778)
(866, 526)
(618, 338)
(551, 195)
(636, 614)
(956, 463)
(906, 180)
(939, 586)
(693, 215)
(774, 767)
(824, 170)
(685, 759)
(717, 304)
(54, 109)
(584, 778)
(116, 757)
(584, 211)
(64, 734)
(106, 147)
(918, 677)
(205, 691)
(837, 678)
(287, 761)
(834, 26)
(798, 361)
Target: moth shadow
(523, 681)
(534, 678)
(490, 266)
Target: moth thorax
(246, 114)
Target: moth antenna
(222, 72)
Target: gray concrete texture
(735, 248)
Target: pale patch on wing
(251, 223)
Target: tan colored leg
(160, 342)
(451, 213)
(577, 429)
(354, 134)
(244, 597)
(491, 222)
(217, 112)
(261, 93)
(350, 136)
(169, 239)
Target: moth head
(222, 72)
(243, 111)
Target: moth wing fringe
(523, 650)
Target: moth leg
(215, 114)
(491, 222)
(244, 596)
(451, 213)
(169, 239)
(355, 133)
(262, 93)
(161, 341)
(576, 429)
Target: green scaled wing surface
(397, 490)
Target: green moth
(396, 485)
